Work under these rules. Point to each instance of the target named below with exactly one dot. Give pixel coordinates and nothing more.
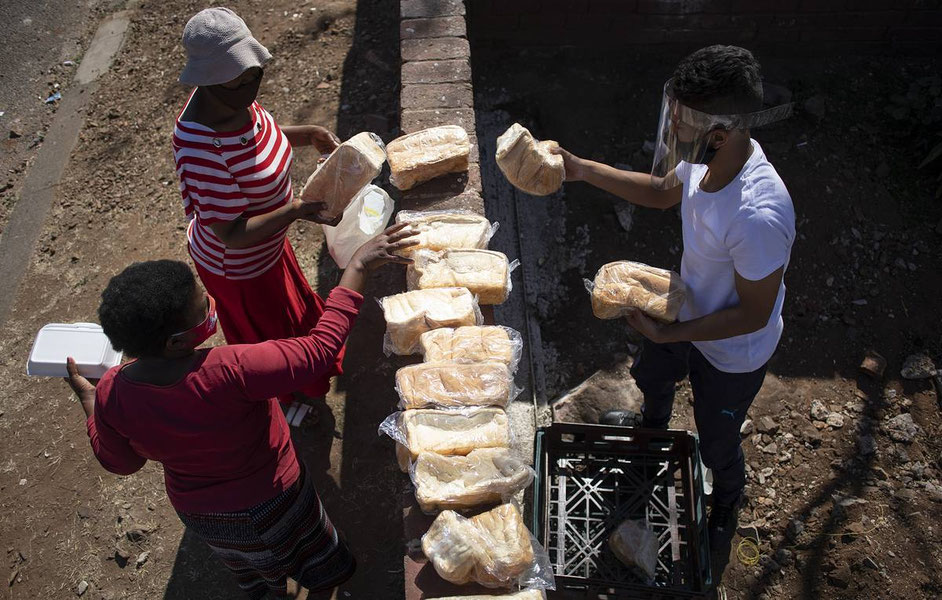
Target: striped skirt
(287, 536)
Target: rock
(82, 588)
(835, 420)
(747, 428)
(840, 577)
(917, 366)
(816, 106)
(819, 412)
(794, 529)
(784, 556)
(625, 212)
(873, 364)
(141, 559)
(605, 390)
(905, 494)
(771, 448)
(136, 535)
(880, 473)
(901, 428)
(121, 557)
(784, 457)
(84, 512)
(869, 563)
(767, 425)
(14, 134)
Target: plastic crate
(592, 477)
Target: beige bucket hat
(219, 48)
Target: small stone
(82, 588)
(767, 425)
(121, 556)
(14, 134)
(917, 366)
(880, 473)
(785, 457)
(84, 512)
(771, 448)
(840, 578)
(819, 412)
(869, 563)
(747, 428)
(902, 428)
(905, 494)
(873, 364)
(835, 420)
(141, 559)
(794, 529)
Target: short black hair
(719, 80)
(145, 304)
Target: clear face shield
(684, 135)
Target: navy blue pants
(720, 403)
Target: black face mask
(240, 97)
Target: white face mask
(684, 134)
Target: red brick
(411, 9)
(437, 95)
(435, 49)
(613, 7)
(437, 71)
(671, 7)
(415, 120)
(432, 28)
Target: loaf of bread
(450, 432)
(349, 167)
(623, 285)
(492, 549)
(450, 385)
(476, 343)
(411, 314)
(486, 273)
(528, 164)
(484, 476)
(445, 230)
(524, 595)
(417, 157)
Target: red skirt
(277, 304)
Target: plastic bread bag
(447, 230)
(483, 476)
(364, 218)
(450, 385)
(351, 166)
(417, 157)
(635, 545)
(521, 595)
(529, 164)
(624, 285)
(471, 344)
(494, 549)
(485, 272)
(410, 314)
(448, 432)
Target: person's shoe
(722, 523)
(620, 418)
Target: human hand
(83, 388)
(658, 333)
(381, 249)
(321, 138)
(313, 211)
(571, 162)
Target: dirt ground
(861, 494)
(64, 519)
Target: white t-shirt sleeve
(760, 240)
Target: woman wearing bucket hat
(233, 161)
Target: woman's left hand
(83, 388)
(321, 138)
(648, 327)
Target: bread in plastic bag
(410, 314)
(417, 157)
(483, 476)
(635, 545)
(448, 432)
(351, 165)
(450, 385)
(474, 343)
(494, 549)
(446, 230)
(528, 164)
(623, 285)
(485, 272)
(363, 219)
(521, 595)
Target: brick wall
(776, 26)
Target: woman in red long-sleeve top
(211, 417)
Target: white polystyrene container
(85, 342)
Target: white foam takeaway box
(85, 342)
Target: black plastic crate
(590, 478)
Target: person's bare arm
(756, 301)
(311, 135)
(632, 186)
(243, 233)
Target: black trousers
(720, 403)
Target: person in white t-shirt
(738, 230)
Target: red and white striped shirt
(227, 175)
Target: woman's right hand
(382, 248)
(313, 211)
(572, 163)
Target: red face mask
(195, 336)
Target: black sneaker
(722, 524)
(620, 418)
